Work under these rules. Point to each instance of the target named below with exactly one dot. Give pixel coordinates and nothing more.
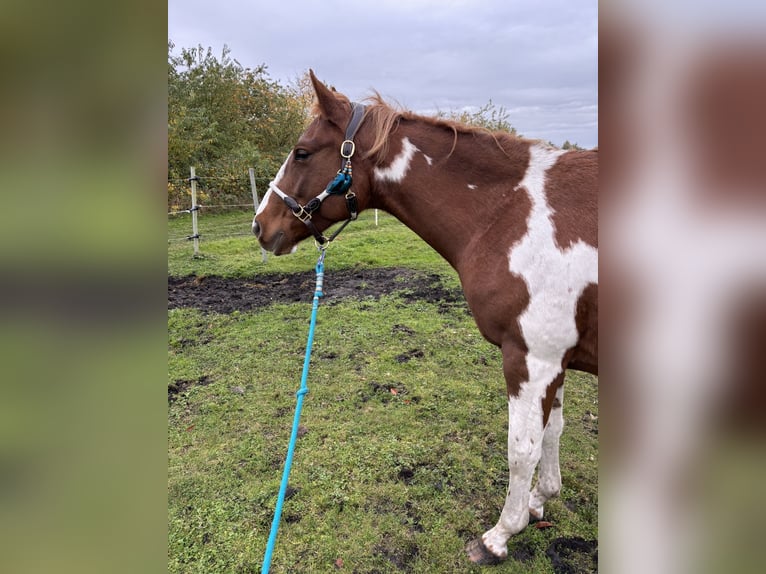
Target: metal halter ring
(343, 148)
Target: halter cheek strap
(340, 184)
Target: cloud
(424, 54)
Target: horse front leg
(526, 414)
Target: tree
(302, 91)
(571, 146)
(224, 118)
(489, 116)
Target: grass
(403, 457)
(361, 244)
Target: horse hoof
(480, 554)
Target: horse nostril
(256, 228)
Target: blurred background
(683, 261)
(83, 352)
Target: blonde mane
(384, 119)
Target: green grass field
(361, 244)
(402, 455)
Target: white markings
(429, 159)
(265, 200)
(525, 431)
(400, 166)
(555, 280)
(471, 186)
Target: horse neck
(448, 191)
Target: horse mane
(384, 119)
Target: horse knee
(524, 452)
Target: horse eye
(301, 154)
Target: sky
(536, 59)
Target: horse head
(313, 188)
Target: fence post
(194, 209)
(376, 218)
(256, 201)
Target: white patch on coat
(429, 159)
(555, 279)
(400, 166)
(265, 200)
(471, 186)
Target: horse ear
(329, 106)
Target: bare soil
(224, 295)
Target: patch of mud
(411, 354)
(181, 385)
(573, 555)
(406, 474)
(401, 557)
(401, 329)
(225, 295)
(521, 551)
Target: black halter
(341, 184)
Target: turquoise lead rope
(299, 405)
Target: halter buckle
(345, 146)
(303, 215)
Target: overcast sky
(538, 59)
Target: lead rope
(298, 406)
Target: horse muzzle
(277, 243)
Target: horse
(515, 217)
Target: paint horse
(516, 218)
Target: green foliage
(489, 116)
(224, 118)
(571, 146)
(567, 146)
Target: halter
(340, 184)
